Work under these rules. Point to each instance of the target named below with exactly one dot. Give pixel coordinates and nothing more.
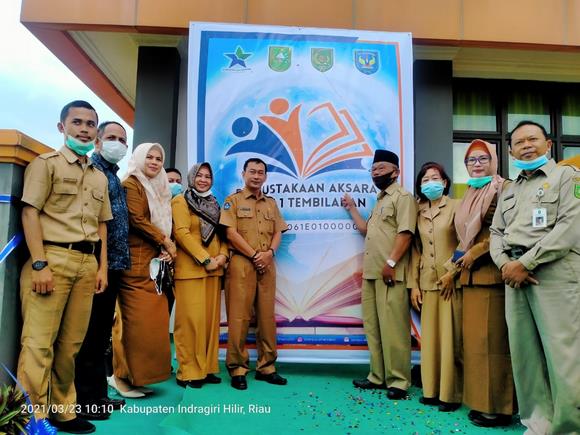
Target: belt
(84, 247)
(516, 252)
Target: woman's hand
(221, 260)
(447, 283)
(170, 247)
(212, 265)
(466, 261)
(416, 298)
(164, 256)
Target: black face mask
(384, 181)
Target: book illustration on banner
(279, 140)
(366, 61)
(279, 58)
(322, 58)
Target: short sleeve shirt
(256, 220)
(72, 199)
(395, 212)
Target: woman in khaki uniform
(435, 292)
(141, 349)
(201, 256)
(488, 385)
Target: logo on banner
(238, 58)
(280, 139)
(322, 58)
(366, 61)
(279, 58)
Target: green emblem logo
(577, 191)
(279, 58)
(322, 58)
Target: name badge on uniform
(539, 218)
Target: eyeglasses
(482, 160)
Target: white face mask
(113, 151)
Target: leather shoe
(94, 412)
(239, 382)
(198, 383)
(434, 401)
(76, 425)
(212, 379)
(271, 378)
(449, 407)
(473, 413)
(365, 384)
(396, 393)
(496, 421)
(115, 404)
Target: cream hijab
(156, 188)
(471, 212)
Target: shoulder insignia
(49, 155)
(227, 205)
(577, 190)
(238, 190)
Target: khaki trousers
(197, 326)
(53, 330)
(441, 346)
(248, 292)
(544, 335)
(387, 324)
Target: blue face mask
(80, 148)
(478, 183)
(176, 189)
(432, 189)
(530, 165)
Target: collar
(389, 190)
(424, 207)
(100, 161)
(545, 169)
(247, 194)
(71, 156)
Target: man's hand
(447, 283)
(347, 202)
(416, 298)
(516, 275)
(262, 260)
(42, 281)
(101, 281)
(389, 275)
(466, 261)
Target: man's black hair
(174, 170)
(256, 160)
(528, 122)
(104, 125)
(76, 104)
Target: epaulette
(49, 155)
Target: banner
(314, 104)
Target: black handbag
(162, 275)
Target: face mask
(432, 189)
(383, 181)
(80, 148)
(113, 151)
(478, 183)
(176, 189)
(202, 194)
(530, 165)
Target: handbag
(161, 273)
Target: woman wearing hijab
(435, 292)
(201, 256)
(488, 380)
(141, 349)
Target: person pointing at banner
(385, 304)
(254, 228)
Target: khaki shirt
(72, 200)
(551, 187)
(435, 244)
(394, 212)
(256, 220)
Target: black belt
(84, 247)
(517, 252)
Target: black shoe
(212, 379)
(365, 384)
(473, 414)
(496, 421)
(271, 378)
(198, 383)
(239, 382)
(93, 412)
(114, 404)
(449, 407)
(434, 401)
(76, 425)
(396, 393)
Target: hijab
(156, 188)
(471, 212)
(203, 204)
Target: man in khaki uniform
(385, 302)
(66, 204)
(535, 241)
(254, 229)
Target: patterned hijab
(156, 188)
(203, 205)
(471, 212)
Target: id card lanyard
(539, 214)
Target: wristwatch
(206, 262)
(391, 263)
(39, 265)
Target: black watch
(39, 265)
(206, 262)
